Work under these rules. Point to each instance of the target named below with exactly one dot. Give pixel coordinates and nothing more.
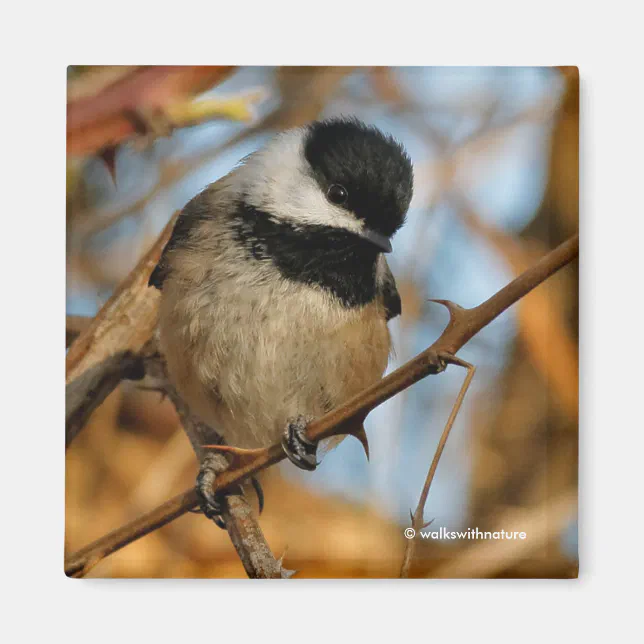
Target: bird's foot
(298, 448)
(211, 503)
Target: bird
(275, 291)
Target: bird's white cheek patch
(310, 206)
(292, 193)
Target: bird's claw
(297, 447)
(211, 503)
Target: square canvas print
(322, 322)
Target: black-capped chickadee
(275, 290)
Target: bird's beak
(376, 239)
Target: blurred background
(495, 153)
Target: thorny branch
(463, 325)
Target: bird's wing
(387, 290)
(195, 211)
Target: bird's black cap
(374, 169)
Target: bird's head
(337, 175)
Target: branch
(106, 351)
(249, 541)
(417, 521)
(542, 324)
(74, 326)
(463, 325)
(241, 524)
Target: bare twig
(463, 325)
(417, 520)
(86, 393)
(248, 539)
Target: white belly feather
(247, 357)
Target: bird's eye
(337, 194)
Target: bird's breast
(249, 358)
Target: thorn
(361, 435)
(237, 455)
(357, 432)
(108, 156)
(452, 359)
(281, 559)
(429, 523)
(454, 309)
(411, 517)
(287, 574)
